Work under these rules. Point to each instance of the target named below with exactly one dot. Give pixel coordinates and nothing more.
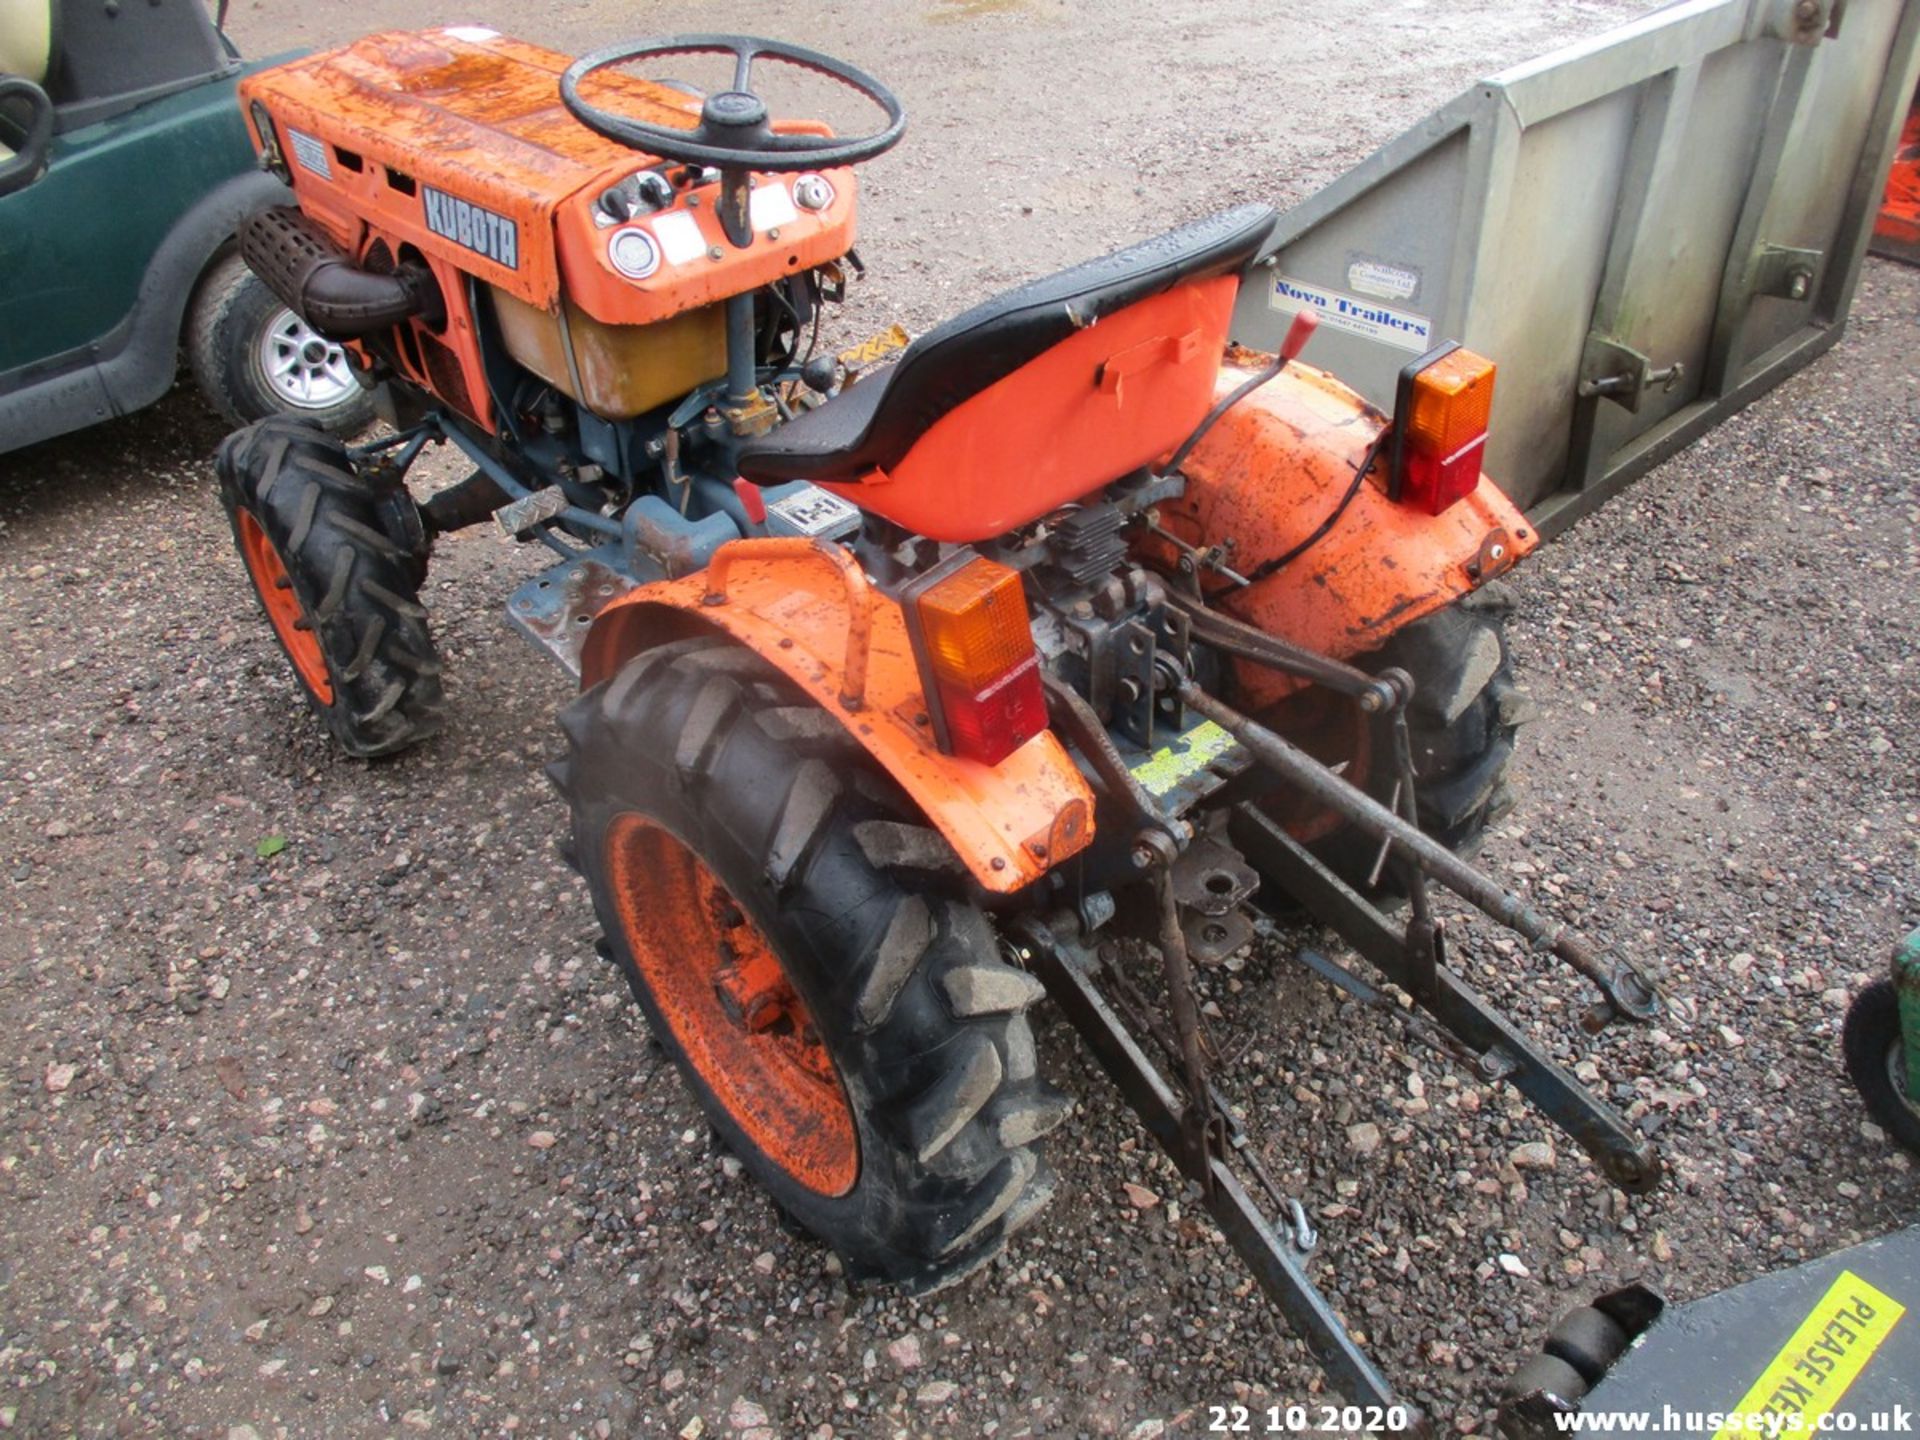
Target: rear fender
(805, 608)
(1271, 472)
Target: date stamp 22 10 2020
(1320, 1419)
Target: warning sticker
(770, 205)
(813, 511)
(1161, 772)
(1368, 319)
(679, 236)
(1820, 1360)
(310, 152)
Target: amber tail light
(1440, 428)
(968, 621)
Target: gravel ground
(324, 1119)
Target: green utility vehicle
(125, 169)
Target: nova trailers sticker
(1162, 772)
(474, 226)
(1369, 319)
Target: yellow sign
(1163, 770)
(1814, 1369)
(876, 348)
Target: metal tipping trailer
(1647, 231)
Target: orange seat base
(1119, 395)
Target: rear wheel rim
(722, 989)
(285, 610)
(304, 369)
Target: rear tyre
(1876, 1060)
(341, 595)
(1463, 720)
(845, 1019)
(252, 357)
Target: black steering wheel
(734, 132)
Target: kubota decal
(1366, 318)
(473, 226)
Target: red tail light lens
(1440, 424)
(977, 663)
(991, 723)
(1435, 482)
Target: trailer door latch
(1622, 374)
(1785, 272)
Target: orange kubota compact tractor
(1047, 658)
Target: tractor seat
(875, 422)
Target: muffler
(314, 277)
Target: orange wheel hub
(289, 617)
(731, 1006)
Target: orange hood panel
(455, 142)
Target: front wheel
(252, 357)
(341, 595)
(841, 1013)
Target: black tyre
(800, 946)
(341, 594)
(1587, 1340)
(252, 357)
(1876, 1059)
(1549, 1376)
(1462, 721)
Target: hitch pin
(1304, 1237)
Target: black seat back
(875, 421)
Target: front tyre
(252, 357)
(844, 1018)
(341, 595)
